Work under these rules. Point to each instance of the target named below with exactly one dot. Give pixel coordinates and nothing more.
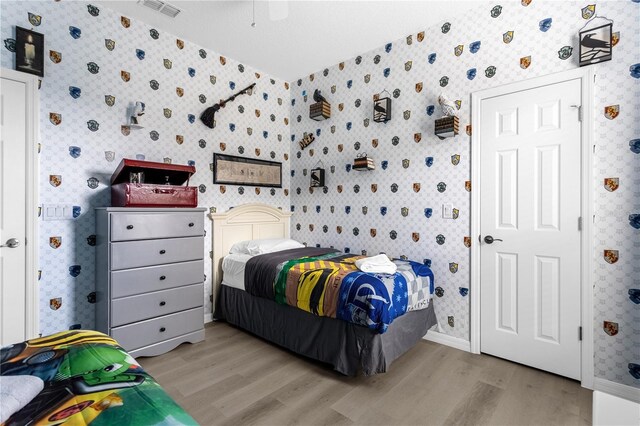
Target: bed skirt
(348, 347)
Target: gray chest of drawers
(149, 277)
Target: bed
(81, 377)
(349, 348)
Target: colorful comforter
(88, 379)
(325, 282)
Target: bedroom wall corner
(397, 207)
(96, 63)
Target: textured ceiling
(315, 34)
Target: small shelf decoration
(363, 163)
(321, 109)
(317, 176)
(307, 138)
(595, 41)
(135, 111)
(382, 107)
(208, 115)
(448, 126)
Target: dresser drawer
(155, 330)
(150, 305)
(129, 282)
(134, 254)
(144, 226)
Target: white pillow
(285, 244)
(268, 245)
(240, 248)
(271, 245)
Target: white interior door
(530, 207)
(17, 284)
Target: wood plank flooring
(234, 378)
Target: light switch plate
(57, 212)
(447, 211)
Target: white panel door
(530, 207)
(13, 161)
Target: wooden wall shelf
(362, 164)
(320, 111)
(446, 127)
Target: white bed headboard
(245, 222)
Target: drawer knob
(163, 303)
(129, 226)
(162, 278)
(163, 251)
(191, 224)
(162, 329)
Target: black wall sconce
(595, 41)
(381, 107)
(317, 176)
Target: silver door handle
(489, 239)
(12, 243)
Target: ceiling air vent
(162, 7)
(170, 10)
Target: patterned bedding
(88, 379)
(325, 282)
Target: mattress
(233, 270)
(233, 267)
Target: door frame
(32, 173)
(586, 76)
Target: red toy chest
(162, 185)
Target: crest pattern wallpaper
(397, 208)
(98, 62)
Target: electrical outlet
(447, 211)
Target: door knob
(489, 239)
(12, 243)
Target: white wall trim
(32, 321)
(445, 339)
(586, 245)
(586, 75)
(208, 317)
(617, 389)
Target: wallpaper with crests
(396, 208)
(96, 63)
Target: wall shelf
(320, 111)
(363, 164)
(446, 127)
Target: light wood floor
(234, 378)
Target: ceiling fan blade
(278, 10)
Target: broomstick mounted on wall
(207, 117)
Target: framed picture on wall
(232, 170)
(29, 51)
(317, 178)
(595, 44)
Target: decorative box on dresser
(150, 277)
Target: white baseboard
(609, 410)
(445, 339)
(617, 389)
(208, 317)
